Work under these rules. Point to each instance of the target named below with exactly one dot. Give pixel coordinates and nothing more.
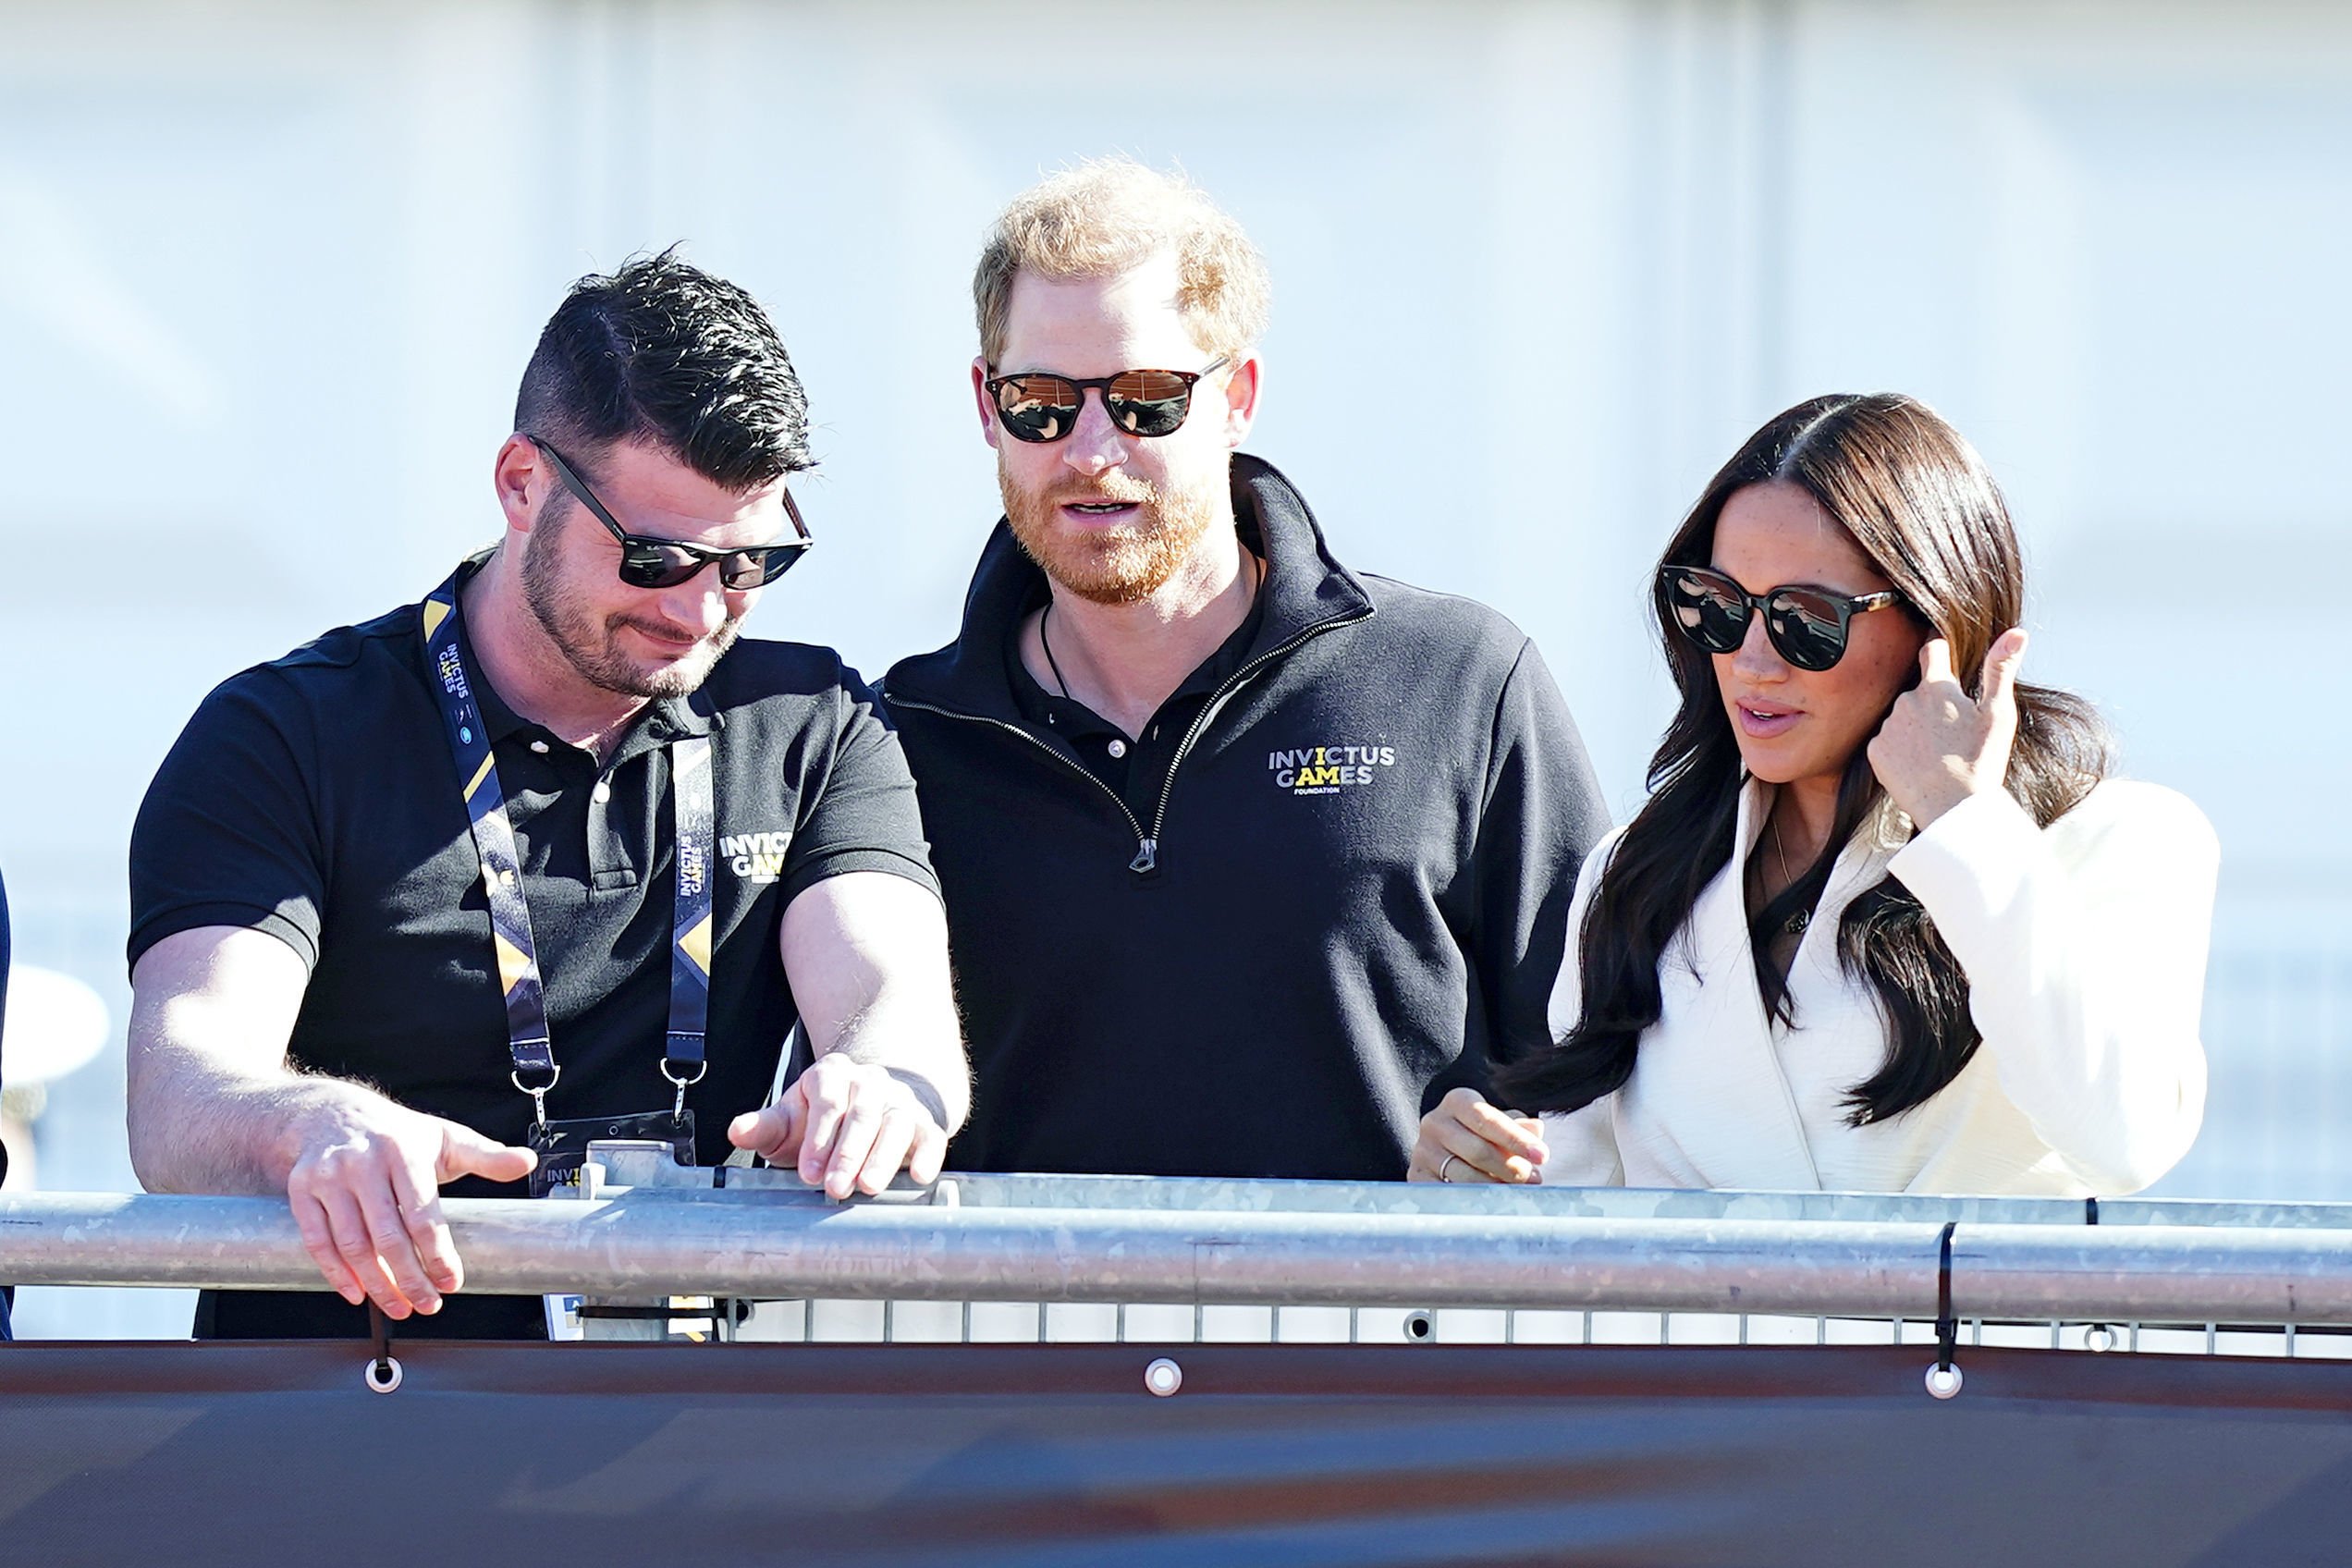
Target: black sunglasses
(666, 563)
(1041, 406)
(1808, 625)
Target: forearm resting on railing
(213, 1105)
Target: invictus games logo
(691, 869)
(756, 857)
(453, 679)
(1326, 770)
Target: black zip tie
(1947, 1327)
(2096, 1331)
(383, 1371)
(1943, 1379)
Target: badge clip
(539, 1094)
(678, 1107)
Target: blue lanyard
(535, 1070)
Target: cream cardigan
(2083, 944)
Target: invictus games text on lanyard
(535, 1069)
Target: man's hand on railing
(1465, 1139)
(847, 1126)
(364, 1187)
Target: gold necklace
(1795, 924)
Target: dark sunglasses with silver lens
(647, 562)
(1041, 406)
(1808, 625)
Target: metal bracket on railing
(632, 1163)
(1943, 1377)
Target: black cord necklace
(1046, 643)
(1256, 579)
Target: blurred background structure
(269, 272)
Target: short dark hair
(665, 353)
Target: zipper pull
(1146, 858)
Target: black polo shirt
(315, 798)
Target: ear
(981, 400)
(521, 479)
(1243, 385)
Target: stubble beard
(1124, 564)
(587, 644)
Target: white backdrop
(268, 273)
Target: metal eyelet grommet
(1944, 1382)
(2100, 1338)
(1163, 1377)
(384, 1376)
(1420, 1327)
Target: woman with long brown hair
(1885, 924)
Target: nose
(1756, 658)
(701, 604)
(1095, 443)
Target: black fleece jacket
(1352, 896)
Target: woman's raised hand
(1465, 1139)
(1939, 746)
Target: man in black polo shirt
(1247, 858)
(430, 898)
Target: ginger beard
(566, 612)
(1122, 563)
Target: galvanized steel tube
(654, 1242)
(2151, 1273)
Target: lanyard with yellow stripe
(535, 1070)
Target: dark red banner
(1056, 1456)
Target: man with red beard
(547, 855)
(1247, 859)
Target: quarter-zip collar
(1305, 589)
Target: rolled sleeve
(228, 834)
(865, 816)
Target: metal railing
(1049, 1257)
